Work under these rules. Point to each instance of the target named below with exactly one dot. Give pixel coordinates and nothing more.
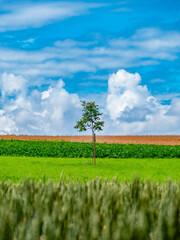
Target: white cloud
(26, 15)
(30, 40)
(133, 110)
(151, 43)
(51, 112)
(66, 58)
(11, 84)
(59, 102)
(175, 107)
(128, 107)
(46, 94)
(68, 43)
(125, 93)
(154, 39)
(7, 124)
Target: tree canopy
(90, 118)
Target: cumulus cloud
(60, 107)
(52, 112)
(133, 110)
(125, 93)
(7, 124)
(128, 107)
(128, 99)
(25, 15)
(11, 84)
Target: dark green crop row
(78, 150)
(90, 211)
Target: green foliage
(90, 118)
(90, 211)
(78, 150)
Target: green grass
(18, 168)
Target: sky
(124, 55)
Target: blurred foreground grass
(112, 210)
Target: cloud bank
(33, 15)
(146, 47)
(129, 108)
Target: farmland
(50, 190)
(129, 139)
(84, 150)
(21, 159)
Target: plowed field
(158, 140)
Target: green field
(18, 168)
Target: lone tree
(90, 120)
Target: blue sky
(122, 54)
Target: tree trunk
(94, 148)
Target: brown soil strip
(158, 140)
